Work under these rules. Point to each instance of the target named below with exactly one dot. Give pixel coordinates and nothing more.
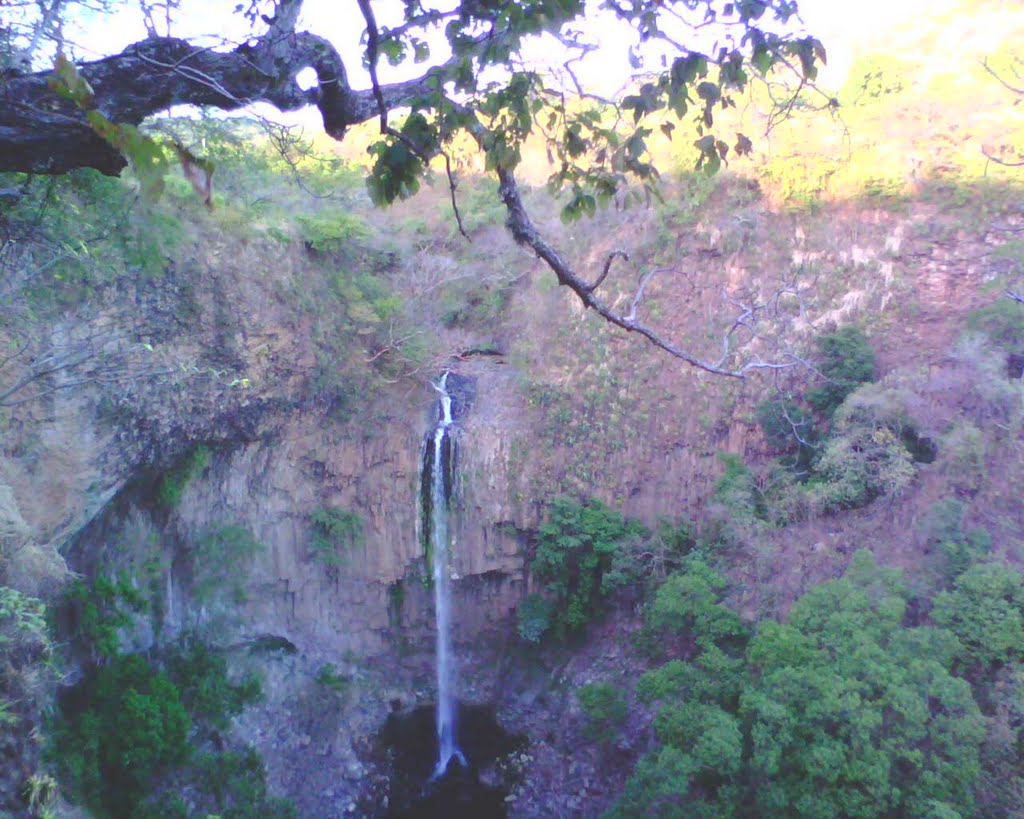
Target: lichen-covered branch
(42, 132)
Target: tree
(851, 714)
(582, 557)
(985, 609)
(841, 711)
(475, 81)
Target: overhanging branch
(41, 132)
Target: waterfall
(437, 489)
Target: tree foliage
(131, 727)
(582, 557)
(985, 610)
(840, 711)
(846, 360)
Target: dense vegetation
(140, 735)
(846, 708)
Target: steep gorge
(223, 401)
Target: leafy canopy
(841, 711)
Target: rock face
(228, 363)
(376, 591)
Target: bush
(1002, 322)
(846, 359)
(859, 465)
(330, 231)
(329, 677)
(582, 556)
(201, 674)
(128, 727)
(122, 745)
(841, 711)
(604, 706)
(22, 626)
(534, 617)
(964, 454)
(736, 507)
(100, 610)
(958, 549)
(689, 602)
(985, 610)
(788, 428)
(866, 457)
(237, 783)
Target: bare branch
(986, 152)
(795, 427)
(1001, 80)
(452, 185)
(621, 254)
(525, 233)
(638, 297)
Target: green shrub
(841, 711)
(964, 456)
(121, 740)
(171, 486)
(582, 556)
(471, 302)
(736, 507)
(100, 610)
(129, 727)
(534, 617)
(604, 707)
(25, 648)
(201, 674)
(22, 624)
(858, 465)
(866, 456)
(689, 602)
(330, 231)
(237, 783)
(735, 489)
(335, 531)
(665, 550)
(711, 737)
(787, 427)
(368, 299)
(958, 549)
(329, 677)
(846, 360)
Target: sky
(846, 27)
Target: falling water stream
(436, 520)
(468, 737)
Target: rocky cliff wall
(219, 353)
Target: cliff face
(219, 354)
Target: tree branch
(621, 254)
(44, 133)
(525, 233)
